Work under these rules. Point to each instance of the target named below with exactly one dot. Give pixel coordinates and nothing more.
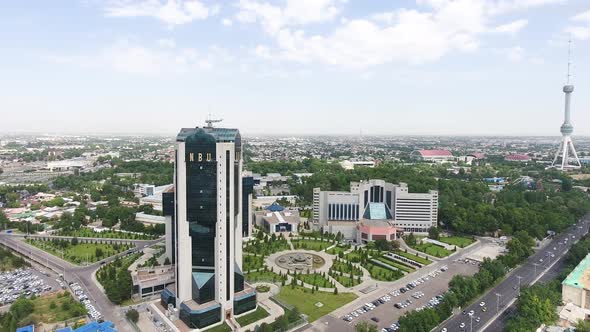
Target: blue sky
(466, 67)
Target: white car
(471, 313)
(462, 325)
(482, 304)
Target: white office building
(337, 211)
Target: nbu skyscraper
(207, 225)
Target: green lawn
(345, 280)
(315, 245)
(250, 262)
(398, 265)
(343, 267)
(252, 317)
(353, 256)
(337, 250)
(80, 252)
(381, 273)
(262, 276)
(220, 328)
(421, 260)
(305, 301)
(432, 249)
(458, 241)
(266, 247)
(315, 279)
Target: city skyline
(295, 67)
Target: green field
(315, 279)
(381, 273)
(395, 264)
(250, 262)
(458, 241)
(64, 308)
(432, 250)
(421, 260)
(81, 252)
(315, 245)
(305, 301)
(252, 317)
(87, 232)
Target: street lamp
(518, 277)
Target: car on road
(462, 325)
(471, 313)
(482, 304)
(375, 319)
(484, 309)
(444, 329)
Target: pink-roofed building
(433, 155)
(517, 157)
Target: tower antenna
(569, 60)
(210, 121)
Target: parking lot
(79, 294)
(424, 291)
(23, 282)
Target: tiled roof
(432, 153)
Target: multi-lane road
(498, 298)
(80, 274)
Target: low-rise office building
(575, 289)
(275, 219)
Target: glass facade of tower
(201, 193)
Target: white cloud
(171, 12)
(514, 54)
(227, 22)
(128, 57)
(512, 27)
(581, 29)
(170, 43)
(295, 12)
(413, 36)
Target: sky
(380, 67)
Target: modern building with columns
(375, 200)
(207, 228)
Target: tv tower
(566, 128)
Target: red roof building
(517, 157)
(432, 155)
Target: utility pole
(498, 296)
(518, 277)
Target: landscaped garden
(263, 276)
(77, 252)
(315, 245)
(421, 260)
(398, 265)
(265, 245)
(381, 273)
(459, 241)
(252, 317)
(432, 249)
(337, 250)
(315, 279)
(346, 267)
(314, 304)
(252, 262)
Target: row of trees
(463, 289)
(116, 279)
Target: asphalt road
(499, 323)
(79, 274)
(508, 288)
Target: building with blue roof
(275, 219)
(91, 327)
(28, 328)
